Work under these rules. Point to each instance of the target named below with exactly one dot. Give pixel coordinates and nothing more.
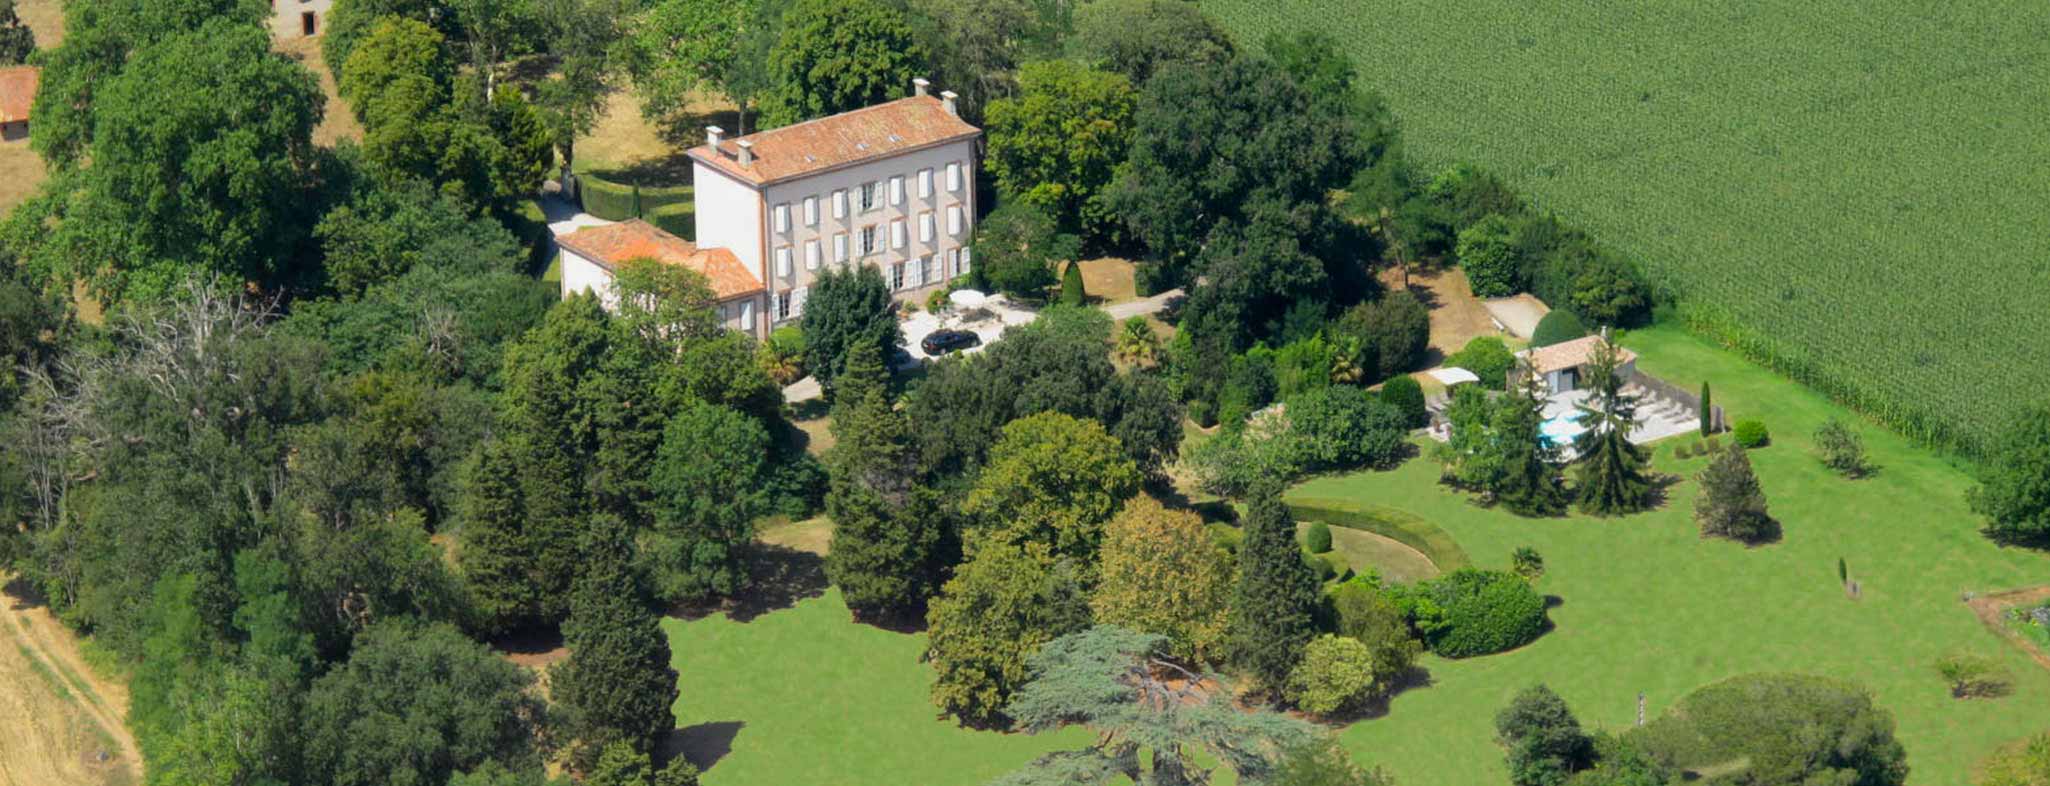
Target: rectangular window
(782, 305)
(811, 211)
(897, 190)
(840, 247)
(964, 261)
(811, 255)
(865, 241)
(914, 274)
(925, 227)
(840, 203)
(954, 220)
(868, 197)
(783, 218)
(782, 261)
(797, 301)
(925, 183)
(953, 176)
(932, 269)
(897, 276)
(953, 262)
(897, 233)
(747, 314)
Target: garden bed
(1992, 609)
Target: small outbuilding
(17, 94)
(1562, 366)
(593, 255)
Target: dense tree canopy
(1058, 142)
(2014, 486)
(837, 55)
(1139, 38)
(1163, 574)
(616, 685)
(997, 610)
(847, 307)
(1051, 483)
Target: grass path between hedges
(1649, 606)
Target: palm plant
(1137, 344)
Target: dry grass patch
(1109, 280)
(63, 724)
(337, 122)
(21, 173)
(813, 535)
(45, 18)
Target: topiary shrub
(1071, 285)
(1750, 433)
(1403, 393)
(1471, 612)
(1317, 538)
(1557, 327)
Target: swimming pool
(1563, 429)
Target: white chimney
(747, 152)
(947, 99)
(713, 135)
(919, 86)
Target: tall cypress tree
(1611, 469)
(891, 539)
(1530, 483)
(549, 431)
(498, 562)
(616, 684)
(1277, 595)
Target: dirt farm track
(60, 725)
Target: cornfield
(1854, 193)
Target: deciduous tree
(707, 484)
(997, 610)
(1017, 247)
(1058, 142)
(1138, 38)
(838, 55)
(2014, 487)
(1051, 483)
(1163, 574)
(847, 307)
(1544, 740)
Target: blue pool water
(1563, 429)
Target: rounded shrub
(1072, 293)
(1488, 358)
(1482, 612)
(1750, 433)
(1317, 538)
(1557, 327)
(1403, 393)
(1682, 451)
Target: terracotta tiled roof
(849, 137)
(614, 244)
(17, 91)
(1570, 354)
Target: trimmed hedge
(614, 200)
(1396, 525)
(1473, 612)
(679, 219)
(1404, 393)
(1317, 538)
(1557, 327)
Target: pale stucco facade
(919, 218)
(298, 18)
(580, 274)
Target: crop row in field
(1852, 191)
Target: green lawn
(823, 700)
(1649, 606)
(1860, 179)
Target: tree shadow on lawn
(1416, 678)
(778, 577)
(703, 745)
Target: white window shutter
(840, 203)
(932, 269)
(925, 227)
(925, 183)
(954, 220)
(797, 301)
(953, 176)
(811, 255)
(747, 314)
(811, 211)
(964, 261)
(783, 217)
(897, 233)
(783, 262)
(897, 190)
(840, 247)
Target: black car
(940, 342)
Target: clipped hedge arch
(1399, 526)
(1557, 327)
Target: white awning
(1452, 375)
(967, 298)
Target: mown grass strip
(1399, 526)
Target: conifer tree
(616, 685)
(891, 539)
(1731, 504)
(551, 439)
(1611, 470)
(498, 563)
(1530, 483)
(1272, 611)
